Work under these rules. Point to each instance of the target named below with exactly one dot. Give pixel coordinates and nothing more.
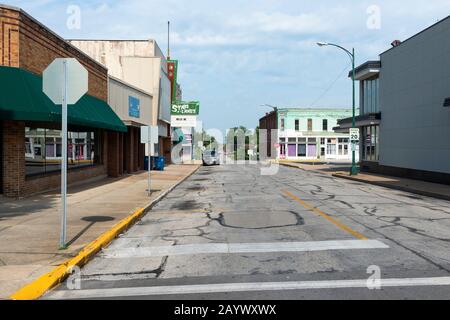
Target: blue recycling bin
(159, 163)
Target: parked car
(210, 157)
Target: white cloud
(280, 22)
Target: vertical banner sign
(172, 70)
(65, 81)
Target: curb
(290, 165)
(46, 282)
(399, 188)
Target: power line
(331, 86)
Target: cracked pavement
(236, 205)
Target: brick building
(30, 137)
(268, 123)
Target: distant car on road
(210, 157)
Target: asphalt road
(229, 232)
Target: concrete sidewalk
(429, 189)
(338, 170)
(29, 228)
(329, 168)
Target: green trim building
(307, 134)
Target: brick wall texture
(27, 44)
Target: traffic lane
(317, 188)
(420, 225)
(198, 219)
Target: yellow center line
(324, 215)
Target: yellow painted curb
(46, 282)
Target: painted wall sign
(134, 107)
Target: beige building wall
(140, 63)
(119, 93)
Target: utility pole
(168, 40)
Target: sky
(237, 55)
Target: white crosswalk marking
(235, 248)
(241, 287)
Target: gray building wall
(414, 82)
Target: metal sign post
(62, 241)
(149, 136)
(65, 81)
(149, 190)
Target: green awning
(22, 99)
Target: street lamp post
(354, 169)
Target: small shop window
(292, 140)
(325, 125)
(301, 150)
(331, 149)
(43, 150)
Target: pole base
(64, 247)
(354, 171)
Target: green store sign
(186, 108)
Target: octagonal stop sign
(56, 75)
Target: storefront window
(370, 96)
(43, 150)
(301, 150)
(371, 143)
(331, 149)
(343, 148)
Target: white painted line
(241, 287)
(224, 248)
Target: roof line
(316, 109)
(21, 11)
(121, 40)
(130, 86)
(412, 37)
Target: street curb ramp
(46, 282)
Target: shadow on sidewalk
(92, 221)
(11, 208)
